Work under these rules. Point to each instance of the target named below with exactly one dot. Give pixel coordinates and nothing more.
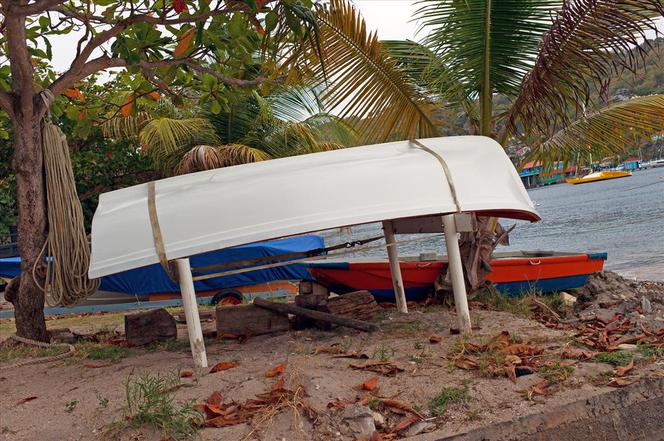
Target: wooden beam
(289, 308)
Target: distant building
(631, 163)
(533, 175)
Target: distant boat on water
(599, 176)
(653, 164)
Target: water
(623, 217)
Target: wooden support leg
(456, 270)
(395, 269)
(191, 314)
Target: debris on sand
(607, 294)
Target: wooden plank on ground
(249, 320)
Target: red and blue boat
(513, 273)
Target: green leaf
(236, 26)
(271, 21)
(252, 4)
(215, 107)
(44, 22)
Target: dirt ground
(80, 399)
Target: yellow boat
(599, 176)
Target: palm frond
(120, 127)
(297, 103)
(233, 125)
(198, 158)
(478, 40)
(235, 154)
(589, 41)
(165, 136)
(611, 130)
(431, 74)
(362, 81)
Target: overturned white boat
(411, 186)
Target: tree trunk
(31, 201)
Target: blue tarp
(152, 279)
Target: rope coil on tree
(66, 248)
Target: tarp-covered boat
(513, 273)
(151, 282)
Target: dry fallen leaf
(381, 367)
(465, 363)
(434, 338)
(25, 400)
(224, 365)
(540, 388)
(622, 370)
(401, 405)
(405, 423)
(620, 382)
(214, 399)
(339, 403)
(370, 384)
(279, 369)
(186, 374)
(279, 384)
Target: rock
(646, 307)
(568, 299)
(379, 419)
(150, 326)
(62, 335)
(627, 347)
(360, 420)
(419, 427)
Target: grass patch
(617, 358)
(100, 351)
(383, 353)
(150, 401)
(438, 404)
(497, 301)
(647, 351)
(520, 305)
(556, 373)
(171, 345)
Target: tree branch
(71, 77)
(34, 8)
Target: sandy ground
(99, 395)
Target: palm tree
(548, 61)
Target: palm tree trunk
(486, 98)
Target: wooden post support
(191, 313)
(456, 270)
(395, 269)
